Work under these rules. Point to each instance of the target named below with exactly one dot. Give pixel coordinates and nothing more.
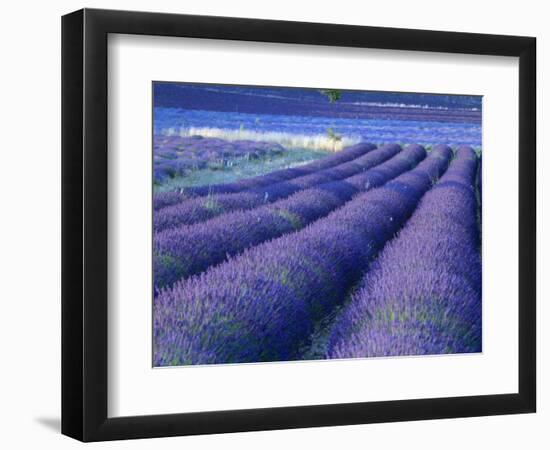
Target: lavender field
(300, 224)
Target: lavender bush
(187, 250)
(423, 293)
(200, 209)
(262, 304)
(175, 155)
(164, 199)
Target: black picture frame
(84, 224)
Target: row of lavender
(176, 156)
(164, 199)
(202, 208)
(422, 295)
(263, 304)
(186, 250)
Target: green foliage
(293, 219)
(333, 94)
(333, 136)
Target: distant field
(291, 130)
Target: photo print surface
(311, 224)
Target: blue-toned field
(296, 224)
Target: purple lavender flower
(187, 250)
(200, 209)
(262, 304)
(165, 199)
(423, 293)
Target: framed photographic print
(267, 224)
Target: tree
(332, 94)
